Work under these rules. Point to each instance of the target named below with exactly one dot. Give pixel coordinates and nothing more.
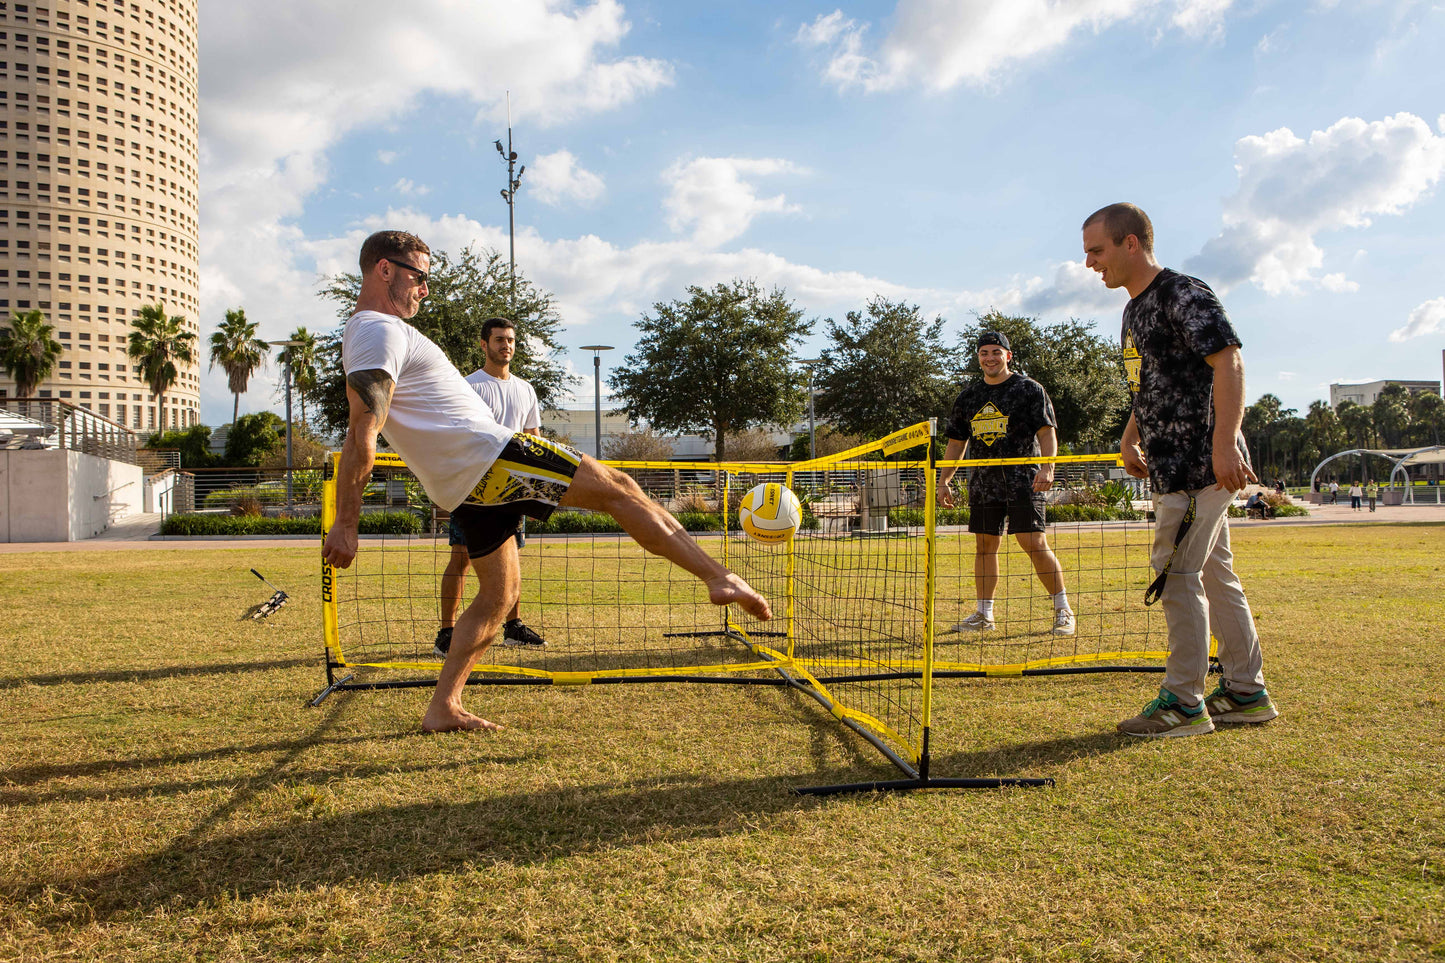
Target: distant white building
(1365, 392)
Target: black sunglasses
(420, 274)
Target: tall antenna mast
(514, 181)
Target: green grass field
(166, 794)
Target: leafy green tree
(1357, 425)
(718, 363)
(158, 342)
(253, 438)
(1264, 424)
(1325, 432)
(193, 443)
(1427, 418)
(239, 352)
(301, 358)
(27, 351)
(463, 292)
(886, 369)
(1081, 371)
(827, 441)
(1391, 415)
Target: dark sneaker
(515, 633)
(1226, 706)
(444, 642)
(1166, 717)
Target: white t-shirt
(513, 401)
(448, 436)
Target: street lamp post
(812, 438)
(597, 350)
(288, 344)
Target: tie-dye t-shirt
(1001, 421)
(1168, 331)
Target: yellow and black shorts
(529, 477)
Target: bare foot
(462, 721)
(731, 588)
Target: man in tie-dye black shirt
(1182, 358)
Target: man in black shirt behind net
(1006, 415)
(1181, 355)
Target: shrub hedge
(372, 523)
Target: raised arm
(368, 393)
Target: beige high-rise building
(98, 190)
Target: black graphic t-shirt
(1168, 331)
(1001, 421)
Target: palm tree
(157, 343)
(239, 352)
(302, 359)
(27, 351)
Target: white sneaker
(977, 622)
(1063, 622)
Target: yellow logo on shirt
(989, 425)
(1132, 362)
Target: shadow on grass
(152, 675)
(384, 843)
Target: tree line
(1284, 444)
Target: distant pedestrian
(1334, 493)
(1373, 491)
(1356, 493)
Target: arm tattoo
(375, 387)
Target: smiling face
(1112, 262)
(994, 359)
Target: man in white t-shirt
(514, 403)
(399, 381)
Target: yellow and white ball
(770, 513)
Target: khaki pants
(1203, 595)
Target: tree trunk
(235, 408)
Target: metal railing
(41, 423)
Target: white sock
(985, 608)
(1061, 601)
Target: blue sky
(938, 151)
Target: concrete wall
(56, 495)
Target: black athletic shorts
(529, 477)
(1023, 514)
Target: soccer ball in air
(770, 513)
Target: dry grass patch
(167, 795)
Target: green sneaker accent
(1232, 707)
(1166, 717)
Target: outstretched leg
(600, 488)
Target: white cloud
(1428, 318)
(284, 82)
(409, 187)
(1286, 376)
(940, 44)
(709, 196)
(557, 177)
(1292, 189)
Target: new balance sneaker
(1166, 717)
(1063, 622)
(977, 622)
(1226, 706)
(443, 643)
(515, 633)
